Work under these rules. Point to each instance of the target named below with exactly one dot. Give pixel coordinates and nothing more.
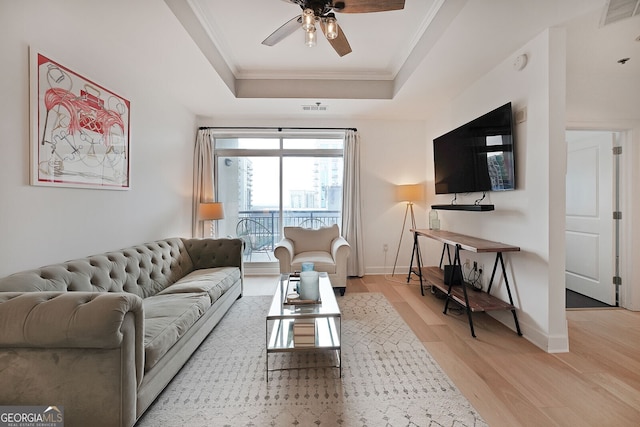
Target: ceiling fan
(322, 12)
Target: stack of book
(304, 333)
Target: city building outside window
(267, 183)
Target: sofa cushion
(142, 270)
(153, 266)
(210, 253)
(322, 261)
(305, 239)
(167, 318)
(213, 281)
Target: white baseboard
(546, 342)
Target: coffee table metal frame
(282, 315)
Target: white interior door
(589, 215)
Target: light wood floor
(510, 381)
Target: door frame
(630, 286)
(626, 291)
(590, 231)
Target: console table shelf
(478, 301)
(471, 300)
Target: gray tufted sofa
(102, 336)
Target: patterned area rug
(388, 378)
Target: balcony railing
(261, 229)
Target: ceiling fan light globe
(310, 37)
(308, 19)
(332, 28)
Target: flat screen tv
(477, 156)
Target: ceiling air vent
(616, 10)
(314, 107)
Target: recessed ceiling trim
(335, 89)
(403, 55)
(217, 38)
(186, 16)
(437, 25)
(316, 75)
(361, 84)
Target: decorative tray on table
(293, 298)
(297, 301)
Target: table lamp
(211, 211)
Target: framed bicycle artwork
(79, 129)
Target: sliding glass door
(268, 183)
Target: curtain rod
(279, 129)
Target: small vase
(434, 222)
(309, 288)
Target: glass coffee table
(320, 323)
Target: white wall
(531, 217)
(392, 153)
(105, 42)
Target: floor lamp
(211, 211)
(409, 194)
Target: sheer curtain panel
(203, 173)
(351, 211)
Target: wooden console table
(434, 276)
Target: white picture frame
(79, 129)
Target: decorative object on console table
(211, 211)
(434, 221)
(79, 130)
(409, 194)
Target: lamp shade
(409, 193)
(210, 211)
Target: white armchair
(324, 247)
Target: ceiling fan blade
(340, 44)
(284, 31)
(366, 6)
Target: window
(267, 183)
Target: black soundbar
(473, 208)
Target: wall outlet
(385, 247)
